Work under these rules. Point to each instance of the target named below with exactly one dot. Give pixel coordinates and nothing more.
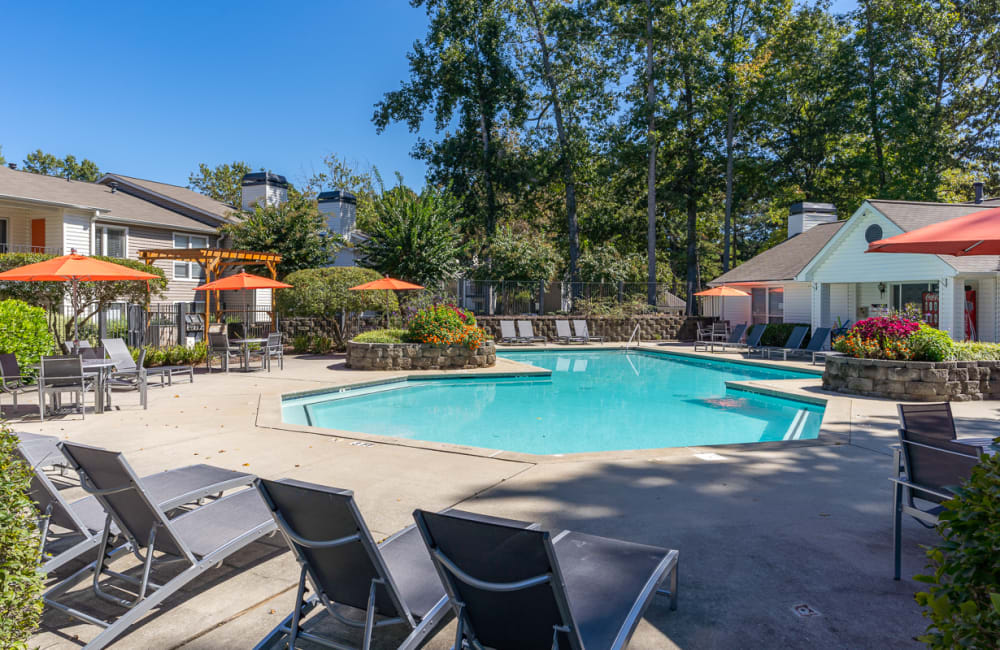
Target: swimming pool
(593, 401)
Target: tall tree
(463, 71)
(651, 142)
(363, 181)
(221, 182)
(40, 162)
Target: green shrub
(381, 336)
(963, 599)
(20, 551)
(975, 351)
(301, 343)
(777, 333)
(175, 355)
(24, 332)
(322, 345)
(929, 344)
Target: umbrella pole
(76, 315)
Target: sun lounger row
(752, 343)
(508, 583)
(525, 332)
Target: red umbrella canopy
(974, 234)
(242, 281)
(384, 284)
(74, 267)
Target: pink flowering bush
(882, 328)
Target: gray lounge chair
(527, 333)
(126, 367)
(191, 543)
(12, 381)
(580, 327)
(792, 344)
(932, 468)
(815, 346)
(392, 583)
(734, 340)
(564, 335)
(81, 521)
(935, 420)
(519, 588)
(507, 333)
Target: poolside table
(98, 368)
(244, 345)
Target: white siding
(868, 295)
(76, 233)
(986, 289)
(847, 261)
(841, 304)
(798, 302)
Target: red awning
(974, 234)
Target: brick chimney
(264, 188)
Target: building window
(911, 295)
(4, 248)
(767, 305)
(189, 270)
(110, 242)
(775, 305)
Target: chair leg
(897, 525)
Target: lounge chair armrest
(922, 488)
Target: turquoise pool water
(593, 401)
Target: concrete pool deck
(760, 530)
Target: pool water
(593, 401)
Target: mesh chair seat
(207, 528)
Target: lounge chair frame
(793, 344)
(735, 338)
(567, 337)
(118, 352)
(291, 625)
(451, 574)
(581, 324)
(511, 338)
(526, 332)
(149, 594)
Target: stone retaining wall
(418, 356)
(914, 381)
(652, 327)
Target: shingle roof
(910, 215)
(179, 194)
(120, 205)
(784, 261)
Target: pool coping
(836, 414)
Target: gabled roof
(784, 261)
(911, 215)
(182, 197)
(113, 206)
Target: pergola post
(273, 268)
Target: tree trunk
(651, 170)
(728, 225)
(873, 114)
(691, 199)
(565, 153)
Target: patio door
(38, 235)
(758, 306)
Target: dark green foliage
(778, 333)
(963, 599)
(222, 182)
(325, 293)
(518, 256)
(415, 238)
(24, 332)
(296, 230)
(175, 355)
(20, 549)
(40, 162)
(381, 336)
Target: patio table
(245, 348)
(98, 368)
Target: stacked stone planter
(914, 381)
(652, 327)
(418, 356)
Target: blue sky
(153, 89)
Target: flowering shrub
(931, 344)
(853, 344)
(445, 325)
(975, 351)
(884, 328)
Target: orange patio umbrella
(74, 269)
(974, 234)
(242, 281)
(722, 292)
(386, 284)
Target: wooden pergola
(215, 261)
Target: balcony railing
(27, 248)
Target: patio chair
(732, 341)
(218, 346)
(68, 345)
(840, 331)
(935, 421)
(580, 327)
(751, 344)
(527, 333)
(126, 368)
(192, 542)
(521, 588)
(60, 375)
(392, 583)
(507, 333)
(81, 521)
(932, 467)
(275, 350)
(793, 343)
(12, 381)
(564, 335)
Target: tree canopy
(40, 162)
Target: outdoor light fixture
(881, 288)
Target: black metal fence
(513, 298)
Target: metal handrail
(635, 331)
